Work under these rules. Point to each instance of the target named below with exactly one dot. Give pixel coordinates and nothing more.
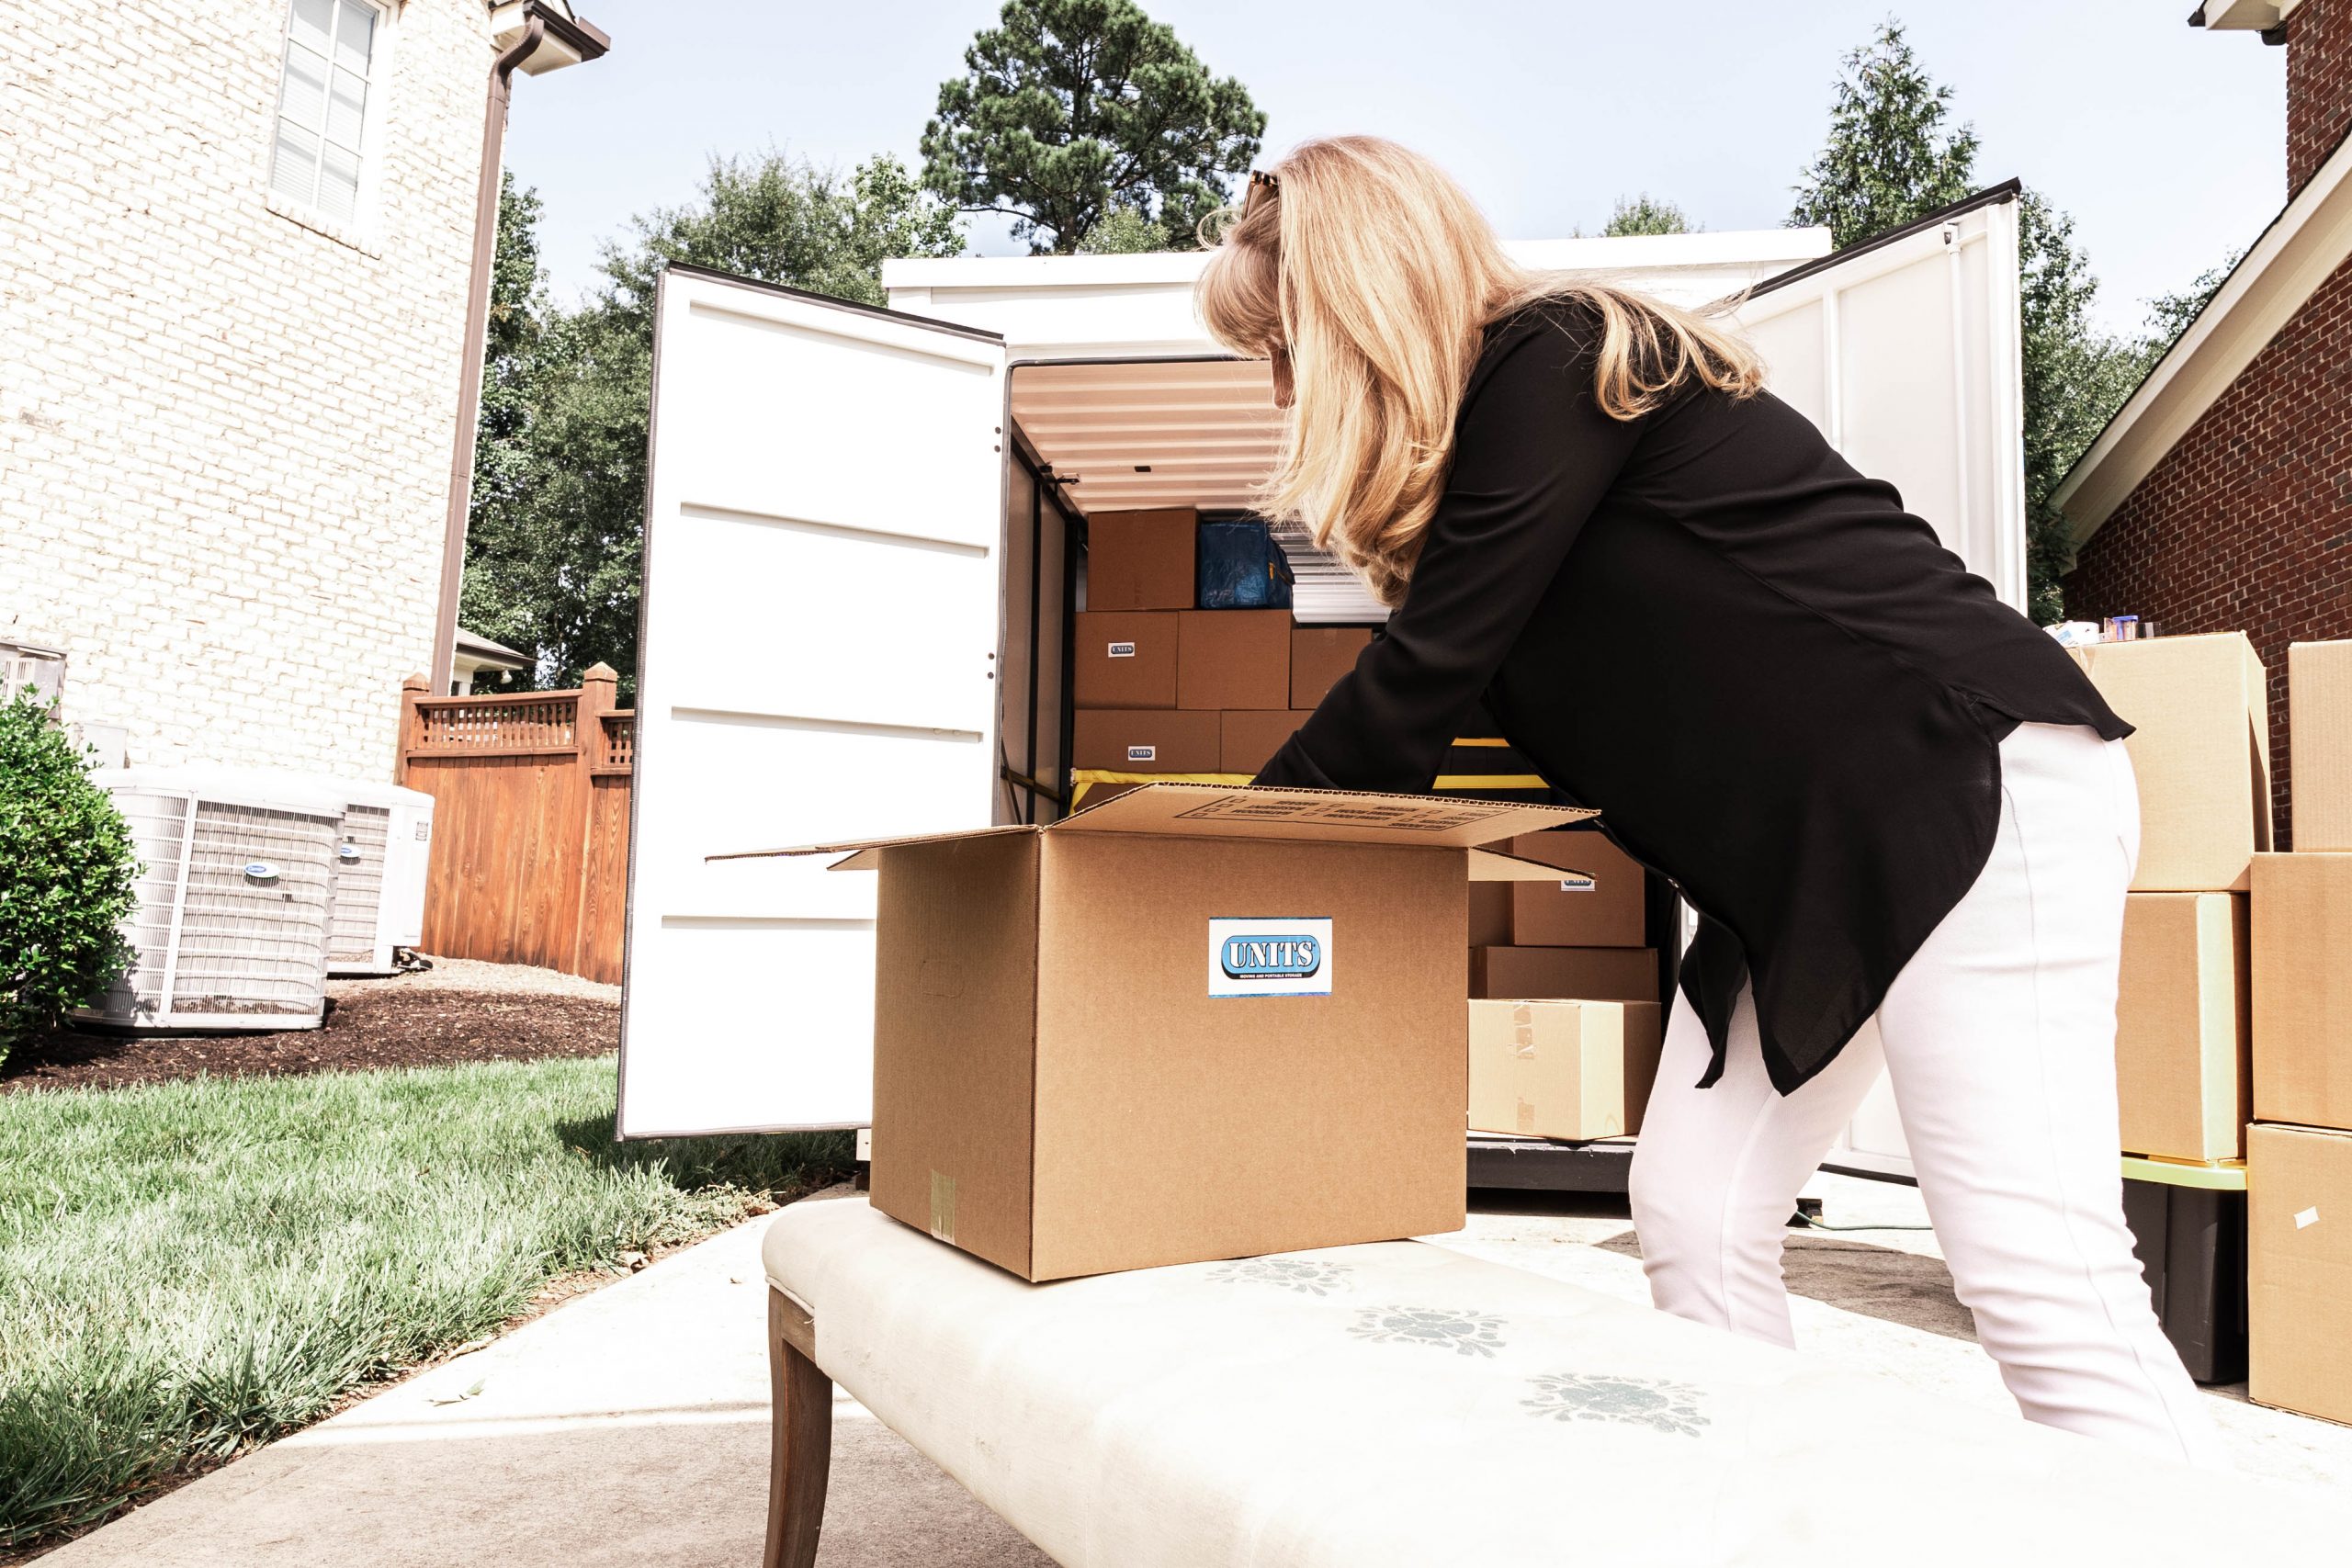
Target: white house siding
(224, 434)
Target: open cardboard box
(1196, 1022)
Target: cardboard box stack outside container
(2298, 1153)
(2201, 751)
(2319, 744)
(2182, 1013)
(1140, 560)
(1562, 1069)
(1060, 1061)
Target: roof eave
(2300, 250)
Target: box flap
(859, 850)
(1493, 865)
(1313, 815)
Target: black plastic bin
(2191, 1244)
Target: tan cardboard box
(1126, 659)
(1490, 914)
(1601, 907)
(1140, 560)
(2180, 1026)
(1320, 656)
(2201, 751)
(1562, 1069)
(1199, 1021)
(2299, 1269)
(2319, 743)
(2303, 989)
(1251, 737)
(1586, 974)
(1233, 658)
(1144, 741)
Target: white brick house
(235, 246)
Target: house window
(325, 95)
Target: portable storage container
(864, 559)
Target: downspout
(461, 450)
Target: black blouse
(1779, 690)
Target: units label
(1269, 955)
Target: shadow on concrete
(1853, 1276)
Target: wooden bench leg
(802, 1446)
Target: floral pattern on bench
(1307, 1276)
(1636, 1401)
(1466, 1333)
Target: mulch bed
(383, 1027)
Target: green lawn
(189, 1269)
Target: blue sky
(2164, 142)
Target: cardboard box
(1140, 560)
(1320, 656)
(1600, 906)
(1145, 740)
(2319, 744)
(1586, 974)
(1562, 1069)
(2299, 1269)
(1199, 1021)
(1490, 914)
(1126, 659)
(2303, 989)
(2180, 1026)
(1233, 658)
(2201, 751)
(1251, 737)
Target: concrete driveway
(630, 1426)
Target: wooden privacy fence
(530, 822)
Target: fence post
(599, 687)
(412, 688)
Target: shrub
(66, 871)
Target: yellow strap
(1082, 779)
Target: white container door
(1907, 353)
(819, 636)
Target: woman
(1907, 820)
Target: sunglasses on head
(1262, 185)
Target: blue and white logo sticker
(1270, 956)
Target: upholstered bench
(1402, 1403)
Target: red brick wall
(2319, 84)
(2246, 524)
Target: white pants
(1999, 1038)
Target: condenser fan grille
(358, 883)
(255, 910)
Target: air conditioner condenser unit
(380, 860)
(234, 902)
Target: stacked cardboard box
(2299, 1211)
(1566, 1010)
(1163, 687)
(2201, 753)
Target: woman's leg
(2000, 1038)
(1716, 1171)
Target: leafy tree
(1125, 230)
(495, 599)
(2169, 314)
(552, 554)
(1071, 108)
(1889, 158)
(66, 876)
(1644, 215)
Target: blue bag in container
(1239, 567)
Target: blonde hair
(1378, 276)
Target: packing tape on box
(1523, 1031)
(943, 1207)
